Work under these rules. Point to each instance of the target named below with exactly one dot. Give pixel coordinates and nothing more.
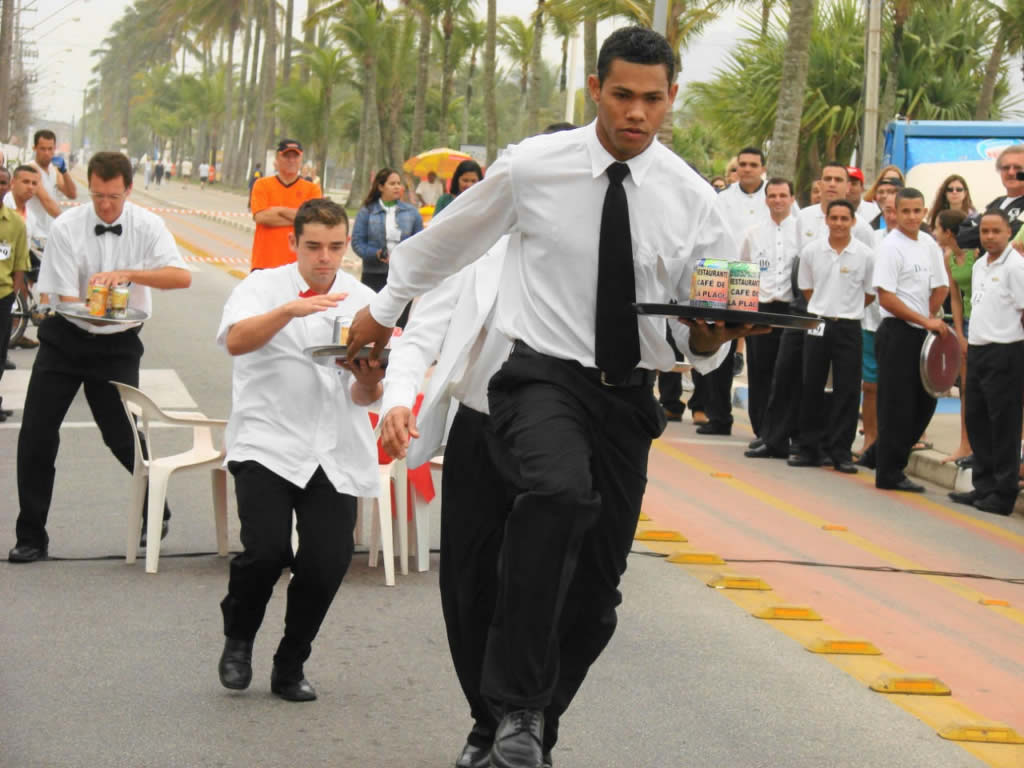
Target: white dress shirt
(911, 269)
(873, 311)
(867, 211)
(997, 299)
(550, 189)
(30, 223)
(811, 225)
(42, 220)
(839, 281)
(773, 247)
(742, 210)
(74, 253)
(288, 413)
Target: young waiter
(298, 439)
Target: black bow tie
(115, 228)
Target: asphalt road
(102, 664)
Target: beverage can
(119, 301)
(341, 326)
(98, 300)
(744, 286)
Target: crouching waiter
(299, 439)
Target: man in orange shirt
(275, 199)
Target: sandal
(921, 445)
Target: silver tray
(79, 311)
(327, 354)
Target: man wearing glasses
(111, 242)
(1011, 172)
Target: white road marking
(163, 385)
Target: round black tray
(731, 317)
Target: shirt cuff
(702, 364)
(397, 394)
(385, 308)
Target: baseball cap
(855, 173)
(890, 181)
(289, 145)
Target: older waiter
(574, 403)
(111, 242)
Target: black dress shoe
(164, 528)
(9, 365)
(964, 497)
(713, 429)
(26, 553)
(547, 762)
(290, 687)
(866, 460)
(803, 460)
(756, 443)
(764, 452)
(673, 415)
(994, 505)
(474, 757)
(235, 668)
(846, 467)
(903, 485)
(518, 742)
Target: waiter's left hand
(368, 375)
(110, 279)
(706, 338)
(365, 330)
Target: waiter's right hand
(398, 427)
(365, 330)
(937, 325)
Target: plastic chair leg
(157, 494)
(401, 475)
(134, 528)
(421, 522)
(219, 478)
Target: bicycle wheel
(20, 318)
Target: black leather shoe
(164, 528)
(713, 429)
(474, 757)
(903, 485)
(547, 761)
(756, 443)
(866, 460)
(9, 365)
(846, 467)
(518, 742)
(994, 505)
(235, 668)
(803, 460)
(673, 415)
(964, 497)
(291, 688)
(764, 452)
(26, 553)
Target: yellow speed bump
(722, 475)
(734, 581)
(995, 601)
(696, 558)
(919, 686)
(852, 647)
(659, 536)
(644, 518)
(989, 734)
(833, 527)
(788, 612)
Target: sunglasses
(955, 189)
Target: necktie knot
(617, 172)
(115, 228)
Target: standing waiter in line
(573, 404)
(911, 283)
(111, 242)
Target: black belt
(638, 377)
(840, 319)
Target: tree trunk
(229, 101)
(589, 63)
(988, 85)
(244, 156)
(264, 121)
(309, 38)
(469, 97)
(536, 67)
(563, 77)
(289, 19)
(201, 149)
(6, 40)
(325, 133)
(782, 157)
(232, 137)
(447, 27)
(419, 112)
(490, 75)
(766, 16)
(887, 104)
(369, 134)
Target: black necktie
(617, 340)
(115, 228)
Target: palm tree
(397, 68)
(1009, 40)
(328, 66)
(490, 80)
(536, 66)
(788, 113)
(427, 10)
(517, 40)
(474, 34)
(262, 133)
(589, 61)
(450, 10)
(563, 21)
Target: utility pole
(872, 75)
(7, 22)
(82, 125)
(659, 22)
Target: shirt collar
(601, 158)
(122, 219)
(5, 212)
(1002, 257)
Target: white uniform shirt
(811, 226)
(74, 253)
(30, 222)
(997, 299)
(430, 192)
(838, 280)
(551, 190)
(42, 221)
(288, 413)
(911, 269)
(867, 211)
(873, 311)
(773, 247)
(742, 210)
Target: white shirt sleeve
(59, 272)
(869, 269)
(245, 301)
(476, 220)
(939, 277)
(1015, 282)
(886, 273)
(805, 275)
(703, 364)
(162, 250)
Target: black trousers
(994, 401)
(69, 358)
(578, 454)
(670, 384)
(325, 520)
(376, 281)
(761, 354)
(718, 392)
(904, 407)
(6, 305)
(782, 414)
(831, 426)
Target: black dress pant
(376, 281)
(325, 520)
(6, 305)
(670, 384)
(718, 392)
(761, 354)
(578, 454)
(831, 426)
(69, 358)
(782, 413)
(994, 401)
(904, 407)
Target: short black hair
(637, 45)
(951, 219)
(751, 151)
(995, 212)
(777, 180)
(26, 168)
(841, 203)
(44, 133)
(909, 193)
(831, 164)
(109, 165)
(319, 210)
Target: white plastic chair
(158, 471)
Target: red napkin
(419, 478)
